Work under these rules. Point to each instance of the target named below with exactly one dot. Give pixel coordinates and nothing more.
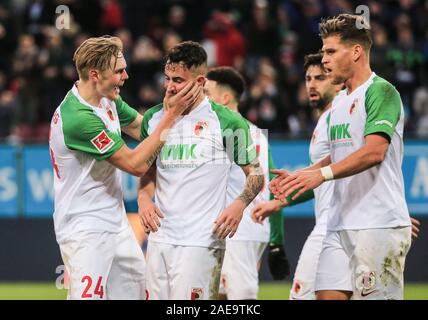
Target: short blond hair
(96, 53)
(350, 28)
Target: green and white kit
(193, 169)
(373, 198)
(88, 191)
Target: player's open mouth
(116, 89)
(313, 96)
(327, 70)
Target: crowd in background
(265, 40)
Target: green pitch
(281, 290)
(268, 291)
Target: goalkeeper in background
(239, 276)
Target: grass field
(268, 291)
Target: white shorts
(376, 262)
(303, 287)
(182, 273)
(104, 265)
(334, 272)
(240, 271)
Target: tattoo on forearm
(153, 156)
(253, 185)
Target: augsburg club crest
(200, 127)
(353, 106)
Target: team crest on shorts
(368, 282)
(196, 294)
(200, 128)
(102, 142)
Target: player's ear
(93, 74)
(226, 98)
(357, 52)
(200, 80)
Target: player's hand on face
(176, 104)
(264, 209)
(415, 227)
(228, 221)
(149, 215)
(301, 181)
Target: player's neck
(360, 76)
(88, 93)
(195, 104)
(321, 111)
(233, 107)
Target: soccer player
(190, 220)
(369, 228)
(97, 245)
(320, 92)
(239, 276)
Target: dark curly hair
(189, 53)
(227, 76)
(313, 59)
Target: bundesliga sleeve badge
(102, 142)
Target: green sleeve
(126, 114)
(276, 220)
(308, 195)
(236, 135)
(383, 108)
(84, 131)
(148, 115)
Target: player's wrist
(280, 203)
(143, 197)
(327, 173)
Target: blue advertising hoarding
(8, 181)
(26, 185)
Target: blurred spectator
(179, 24)
(379, 51)
(421, 109)
(407, 60)
(228, 40)
(112, 16)
(262, 33)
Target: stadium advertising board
(26, 179)
(8, 181)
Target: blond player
(98, 247)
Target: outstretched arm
(137, 161)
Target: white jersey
(320, 148)
(248, 230)
(373, 198)
(192, 171)
(87, 190)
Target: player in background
(189, 221)
(97, 245)
(369, 228)
(239, 276)
(320, 92)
